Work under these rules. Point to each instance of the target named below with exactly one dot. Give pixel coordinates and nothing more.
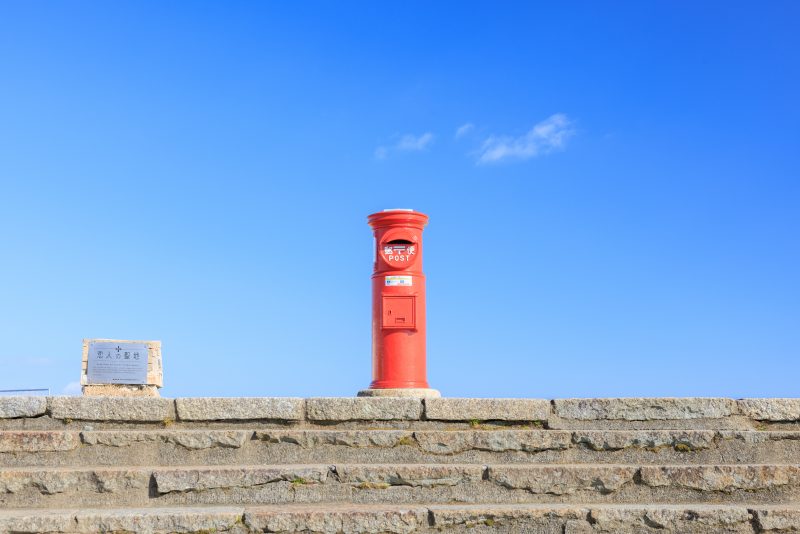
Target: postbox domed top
(398, 217)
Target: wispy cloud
(545, 137)
(464, 129)
(406, 143)
(73, 388)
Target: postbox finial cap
(397, 217)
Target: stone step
(399, 484)
(55, 448)
(421, 518)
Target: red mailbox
(398, 303)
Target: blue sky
(613, 191)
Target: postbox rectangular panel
(398, 312)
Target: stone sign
(117, 363)
(121, 367)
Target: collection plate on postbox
(398, 311)
(117, 363)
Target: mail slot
(398, 301)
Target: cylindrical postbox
(398, 304)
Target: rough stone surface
(242, 408)
(135, 520)
(771, 409)
(120, 390)
(112, 409)
(50, 482)
(188, 439)
(610, 440)
(721, 478)
(666, 518)
(455, 441)
(758, 437)
(346, 519)
(407, 519)
(29, 521)
(563, 480)
(12, 407)
(363, 408)
(163, 520)
(180, 480)
(347, 438)
(450, 409)
(38, 441)
(778, 519)
(408, 475)
(380, 465)
(470, 516)
(643, 409)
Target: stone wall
(688, 465)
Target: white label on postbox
(399, 281)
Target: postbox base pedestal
(418, 393)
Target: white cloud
(73, 388)
(464, 129)
(406, 143)
(545, 137)
(410, 142)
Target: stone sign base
(120, 390)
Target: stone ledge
(363, 409)
(645, 409)
(453, 409)
(34, 441)
(16, 407)
(564, 414)
(771, 409)
(240, 408)
(414, 518)
(121, 409)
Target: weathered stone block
(131, 409)
(188, 439)
(363, 409)
(643, 409)
(425, 475)
(466, 517)
(241, 408)
(612, 440)
(38, 441)
(722, 478)
(562, 480)
(38, 521)
(771, 409)
(13, 407)
(453, 409)
(120, 390)
(160, 520)
(671, 518)
(457, 441)
(349, 518)
(346, 438)
(199, 479)
(777, 519)
(53, 481)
